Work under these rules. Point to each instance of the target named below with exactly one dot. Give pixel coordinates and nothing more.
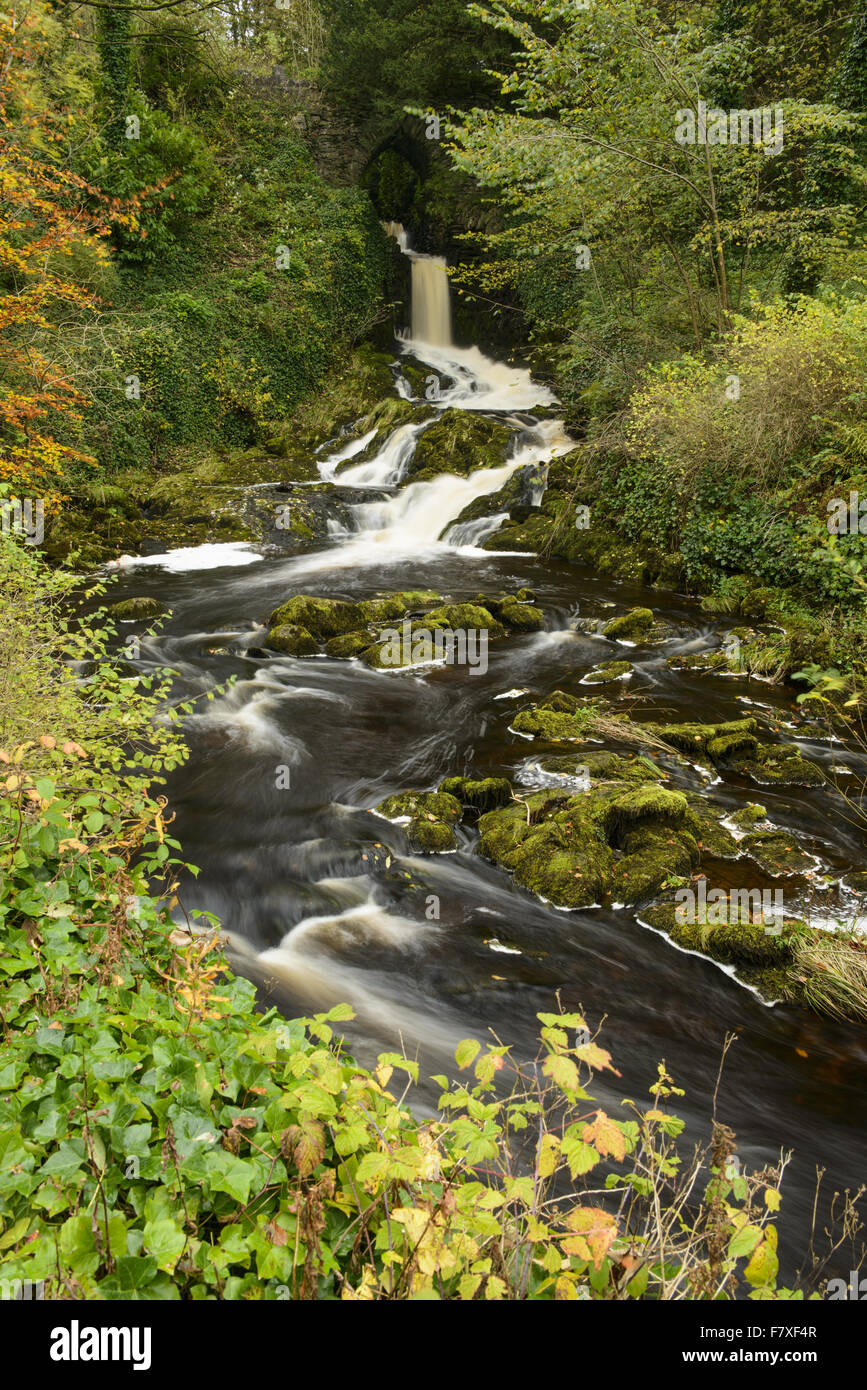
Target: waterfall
(431, 306)
(431, 302)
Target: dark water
(298, 876)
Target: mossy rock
(704, 822)
(324, 617)
(463, 617)
(561, 717)
(521, 617)
(650, 859)
(483, 794)
(385, 416)
(633, 626)
(562, 847)
(437, 805)
(350, 644)
(431, 836)
(292, 640)
(459, 442)
(776, 852)
(694, 739)
(856, 882)
(780, 765)
(607, 672)
(725, 746)
(646, 803)
(136, 609)
(740, 943)
(600, 765)
(749, 816)
(700, 661)
(331, 617)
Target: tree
(46, 213)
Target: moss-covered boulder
(483, 794)
(607, 672)
(778, 765)
(601, 765)
(292, 639)
(633, 626)
(350, 644)
(430, 836)
(323, 617)
(333, 617)
(459, 442)
(137, 609)
(696, 740)
(703, 820)
(409, 805)
(749, 816)
(550, 848)
(574, 850)
(560, 716)
(430, 818)
(462, 617)
(750, 945)
(651, 857)
(776, 852)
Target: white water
(388, 467)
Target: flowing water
(320, 897)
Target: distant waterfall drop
(431, 306)
(431, 300)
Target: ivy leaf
(164, 1240)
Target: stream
(322, 900)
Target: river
(321, 899)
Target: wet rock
(330, 617)
(518, 615)
(561, 716)
(704, 821)
(135, 609)
(483, 794)
(633, 626)
(780, 765)
(464, 617)
(410, 805)
(607, 672)
(292, 640)
(575, 850)
(749, 816)
(744, 943)
(431, 817)
(695, 739)
(776, 852)
(323, 617)
(431, 836)
(350, 644)
(521, 617)
(459, 442)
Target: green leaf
(467, 1051)
(164, 1240)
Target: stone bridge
(341, 148)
